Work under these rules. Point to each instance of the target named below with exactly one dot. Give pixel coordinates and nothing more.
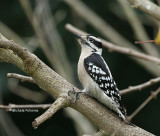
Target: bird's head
(90, 42)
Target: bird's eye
(91, 40)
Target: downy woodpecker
(95, 76)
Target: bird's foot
(76, 94)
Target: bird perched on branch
(95, 76)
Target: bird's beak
(77, 36)
(81, 39)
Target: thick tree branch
(51, 82)
(140, 87)
(147, 7)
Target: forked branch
(57, 105)
(153, 95)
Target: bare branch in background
(21, 77)
(16, 106)
(113, 47)
(138, 28)
(31, 95)
(147, 7)
(10, 34)
(140, 87)
(47, 34)
(36, 27)
(35, 24)
(7, 124)
(153, 95)
(43, 14)
(98, 23)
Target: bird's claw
(76, 94)
(71, 91)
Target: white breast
(91, 87)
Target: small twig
(141, 42)
(153, 94)
(35, 106)
(116, 48)
(21, 77)
(140, 87)
(61, 102)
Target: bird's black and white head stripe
(100, 73)
(91, 42)
(96, 41)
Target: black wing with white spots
(100, 73)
